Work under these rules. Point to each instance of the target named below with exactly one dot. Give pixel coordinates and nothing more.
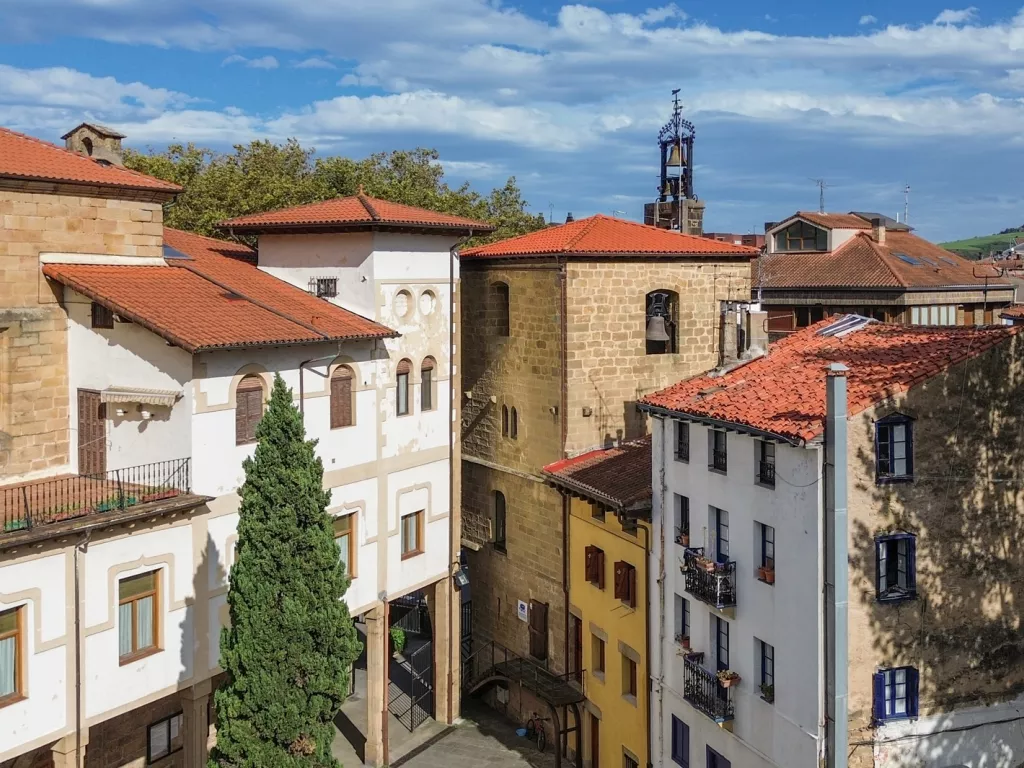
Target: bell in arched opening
(675, 156)
(656, 330)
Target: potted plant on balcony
(684, 641)
(683, 539)
(398, 641)
(766, 572)
(727, 678)
(768, 692)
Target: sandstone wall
(966, 507)
(608, 367)
(33, 328)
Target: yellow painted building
(609, 496)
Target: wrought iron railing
(28, 505)
(704, 690)
(718, 460)
(494, 658)
(709, 581)
(766, 472)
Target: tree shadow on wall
(966, 507)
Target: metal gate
(466, 626)
(411, 689)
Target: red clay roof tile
(618, 477)
(355, 211)
(25, 157)
(215, 299)
(834, 220)
(861, 262)
(783, 393)
(604, 235)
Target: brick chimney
(99, 142)
(878, 230)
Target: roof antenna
(906, 204)
(822, 186)
(551, 212)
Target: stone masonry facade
(608, 367)
(521, 371)
(34, 429)
(605, 369)
(966, 507)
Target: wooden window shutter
(403, 367)
(631, 579)
(599, 567)
(341, 398)
(538, 630)
(589, 560)
(780, 320)
(248, 409)
(621, 581)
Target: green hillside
(980, 247)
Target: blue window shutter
(913, 678)
(912, 565)
(878, 696)
(879, 576)
(878, 453)
(910, 447)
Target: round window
(427, 302)
(401, 305)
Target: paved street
(483, 739)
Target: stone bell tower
(96, 141)
(677, 206)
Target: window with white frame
(934, 314)
(896, 567)
(894, 448)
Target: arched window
(513, 427)
(662, 318)
(402, 393)
(87, 145)
(342, 406)
(248, 408)
(500, 312)
(427, 384)
(504, 421)
(499, 521)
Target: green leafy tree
(291, 641)
(262, 176)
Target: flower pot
(729, 682)
(684, 642)
(684, 539)
(760, 573)
(769, 575)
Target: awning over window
(163, 397)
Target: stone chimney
(878, 230)
(96, 141)
(569, 218)
(728, 350)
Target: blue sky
(566, 97)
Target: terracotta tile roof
(358, 211)
(1015, 312)
(25, 157)
(834, 220)
(604, 235)
(617, 477)
(214, 299)
(860, 262)
(783, 393)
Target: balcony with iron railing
(704, 691)
(710, 581)
(36, 510)
(719, 460)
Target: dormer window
(801, 236)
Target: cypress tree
(291, 639)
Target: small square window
(894, 449)
(628, 676)
(894, 694)
(896, 567)
(101, 316)
(164, 737)
(412, 535)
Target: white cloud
(867, 19)
(956, 17)
(263, 62)
(314, 63)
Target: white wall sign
(524, 612)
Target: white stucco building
(765, 497)
(169, 363)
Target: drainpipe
(81, 546)
(663, 426)
(647, 634)
(453, 595)
(836, 571)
